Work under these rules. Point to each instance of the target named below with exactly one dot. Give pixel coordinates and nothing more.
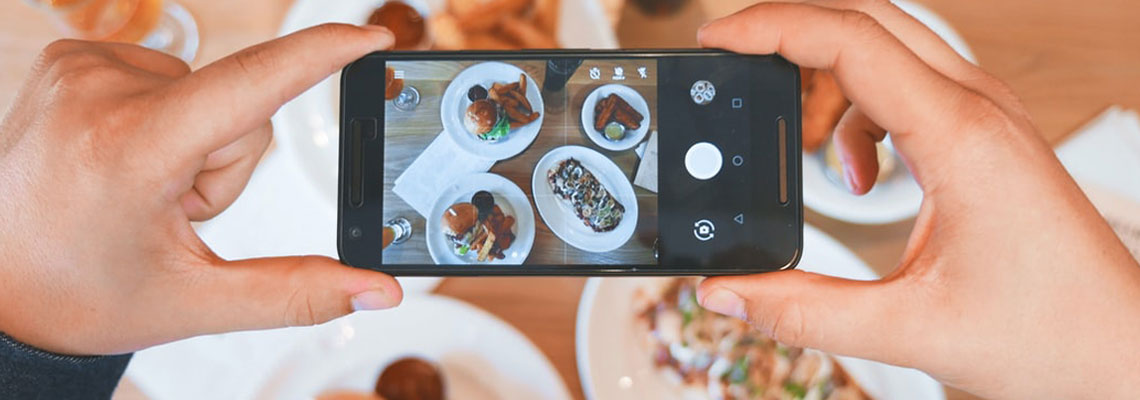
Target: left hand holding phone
(106, 156)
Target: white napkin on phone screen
(433, 170)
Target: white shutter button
(703, 160)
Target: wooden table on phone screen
(1067, 61)
(408, 133)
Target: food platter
(480, 356)
(455, 103)
(615, 362)
(508, 196)
(632, 136)
(561, 218)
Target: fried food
(406, 24)
(484, 15)
(446, 32)
(489, 41)
(603, 116)
(525, 34)
(392, 86)
(495, 25)
(487, 238)
(613, 108)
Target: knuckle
(79, 70)
(58, 48)
(303, 307)
(333, 31)
(254, 61)
(786, 325)
(299, 309)
(869, 5)
(987, 116)
(860, 22)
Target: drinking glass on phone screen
(396, 231)
(157, 24)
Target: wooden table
(1066, 60)
(408, 134)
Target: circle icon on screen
(703, 160)
(704, 230)
(702, 92)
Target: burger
(459, 222)
(484, 120)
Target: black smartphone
(570, 162)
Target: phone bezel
(349, 216)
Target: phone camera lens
(355, 232)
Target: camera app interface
(542, 162)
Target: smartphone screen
(564, 161)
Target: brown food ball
(410, 379)
(404, 21)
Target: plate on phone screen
(560, 216)
(615, 359)
(454, 104)
(508, 197)
(630, 96)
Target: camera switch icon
(704, 230)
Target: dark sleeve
(30, 373)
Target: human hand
(1011, 285)
(107, 155)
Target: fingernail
(378, 28)
(725, 302)
(849, 180)
(374, 299)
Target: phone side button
(356, 183)
(782, 155)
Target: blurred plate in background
(481, 357)
(614, 360)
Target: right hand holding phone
(1009, 273)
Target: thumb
(289, 291)
(804, 309)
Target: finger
(855, 141)
(286, 291)
(871, 67)
(152, 61)
(936, 52)
(823, 106)
(225, 174)
(236, 94)
(804, 309)
(139, 57)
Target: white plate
(309, 122)
(454, 104)
(898, 197)
(508, 197)
(560, 217)
(615, 363)
(481, 357)
(630, 96)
